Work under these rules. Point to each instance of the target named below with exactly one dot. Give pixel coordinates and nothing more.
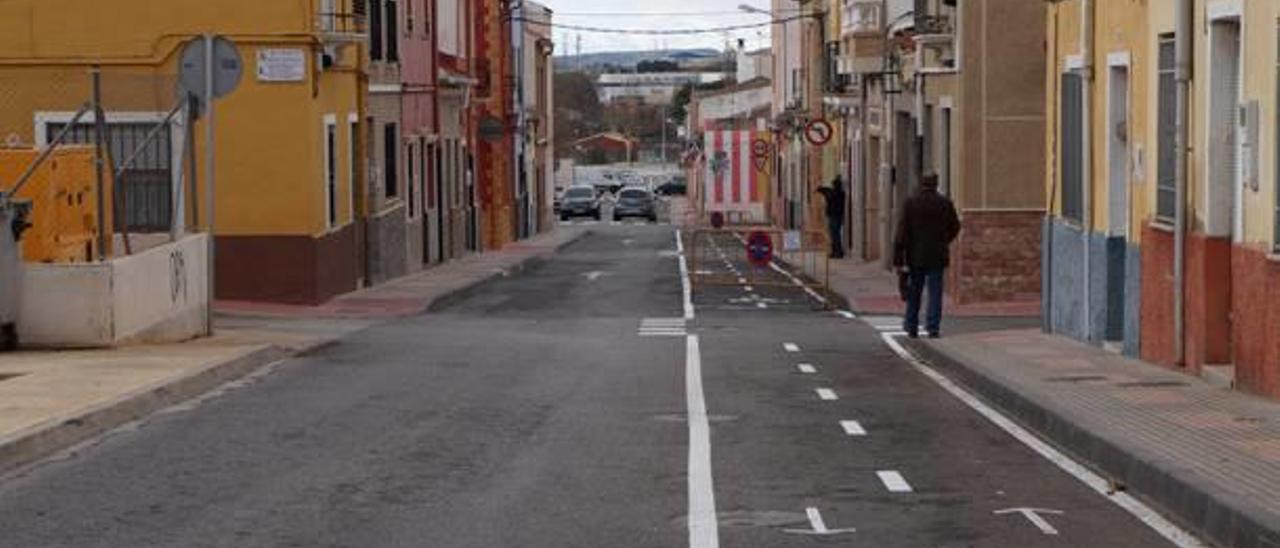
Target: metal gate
(144, 191)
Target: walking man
(928, 225)
(835, 197)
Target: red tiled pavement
(873, 290)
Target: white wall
(159, 295)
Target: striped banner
(734, 175)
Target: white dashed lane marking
(853, 428)
(827, 394)
(894, 482)
(791, 347)
(807, 369)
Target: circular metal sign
(819, 132)
(228, 68)
(760, 249)
(760, 148)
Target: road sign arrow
(818, 527)
(1033, 515)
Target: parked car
(579, 201)
(635, 202)
(672, 188)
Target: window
(390, 147)
(375, 30)
(411, 177)
(424, 169)
(1166, 143)
(1072, 172)
(331, 170)
(353, 120)
(392, 34)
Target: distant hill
(599, 60)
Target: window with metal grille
(331, 170)
(1072, 172)
(1166, 143)
(144, 190)
(375, 30)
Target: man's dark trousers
(836, 227)
(918, 280)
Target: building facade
(288, 167)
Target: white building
(656, 88)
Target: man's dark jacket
(925, 231)
(835, 197)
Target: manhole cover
(1077, 378)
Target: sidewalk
(1208, 457)
(50, 401)
(872, 290)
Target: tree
(578, 110)
(680, 103)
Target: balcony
(862, 37)
(343, 28)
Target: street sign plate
(227, 68)
(760, 249)
(819, 132)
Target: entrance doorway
(1224, 190)
(1117, 139)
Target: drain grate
(1077, 378)
(1151, 384)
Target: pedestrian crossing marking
(663, 327)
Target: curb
(1217, 517)
(42, 440)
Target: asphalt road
(552, 409)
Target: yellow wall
(1120, 30)
(270, 147)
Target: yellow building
(1120, 226)
(287, 139)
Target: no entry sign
(760, 248)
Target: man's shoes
(913, 335)
(935, 335)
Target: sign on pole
(819, 132)
(760, 249)
(227, 68)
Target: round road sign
(819, 132)
(760, 148)
(760, 249)
(227, 68)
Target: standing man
(835, 197)
(923, 248)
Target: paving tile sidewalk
(51, 400)
(873, 290)
(1206, 456)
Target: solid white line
(684, 279)
(853, 428)
(704, 531)
(827, 394)
(799, 283)
(1171, 532)
(791, 347)
(679, 242)
(894, 482)
(807, 369)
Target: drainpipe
(1087, 75)
(1182, 60)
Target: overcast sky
(635, 14)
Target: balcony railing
(862, 18)
(341, 25)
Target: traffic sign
(760, 148)
(819, 132)
(760, 248)
(227, 68)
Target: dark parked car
(579, 201)
(672, 188)
(635, 202)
